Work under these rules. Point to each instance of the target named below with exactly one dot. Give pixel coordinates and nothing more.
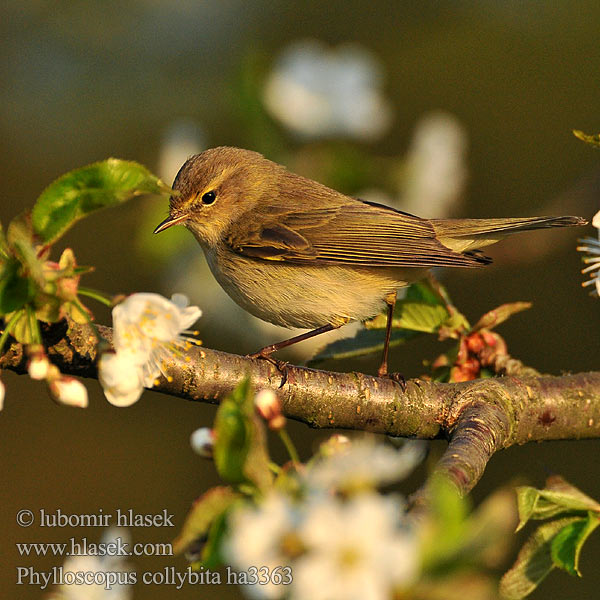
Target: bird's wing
(349, 231)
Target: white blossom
(121, 377)
(67, 390)
(2, 394)
(361, 465)
(436, 171)
(100, 565)
(592, 248)
(146, 335)
(257, 538)
(320, 92)
(355, 550)
(37, 367)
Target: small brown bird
(296, 253)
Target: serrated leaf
(498, 315)
(527, 497)
(421, 309)
(204, 511)
(573, 496)
(418, 316)
(534, 561)
(593, 140)
(364, 342)
(559, 497)
(566, 546)
(85, 190)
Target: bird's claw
(397, 378)
(282, 366)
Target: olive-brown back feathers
(262, 211)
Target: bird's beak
(170, 221)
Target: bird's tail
(471, 234)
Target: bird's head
(215, 188)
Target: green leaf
(527, 498)
(421, 309)
(240, 448)
(232, 442)
(85, 190)
(448, 511)
(448, 506)
(566, 546)
(418, 316)
(25, 327)
(15, 290)
(534, 561)
(362, 343)
(205, 510)
(559, 497)
(561, 490)
(211, 553)
(593, 140)
(494, 317)
(19, 237)
(427, 290)
(256, 467)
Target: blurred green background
(86, 80)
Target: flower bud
(2, 393)
(67, 390)
(203, 442)
(268, 406)
(475, 343)
(467, 371)
(38, 365)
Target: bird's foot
(396, 377)
(282, 366)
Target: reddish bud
(475, 343)
(267, 404)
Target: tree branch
(477, 417)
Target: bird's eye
(209, 197)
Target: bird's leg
(390, 300)
(265, 353)
(268, 350)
